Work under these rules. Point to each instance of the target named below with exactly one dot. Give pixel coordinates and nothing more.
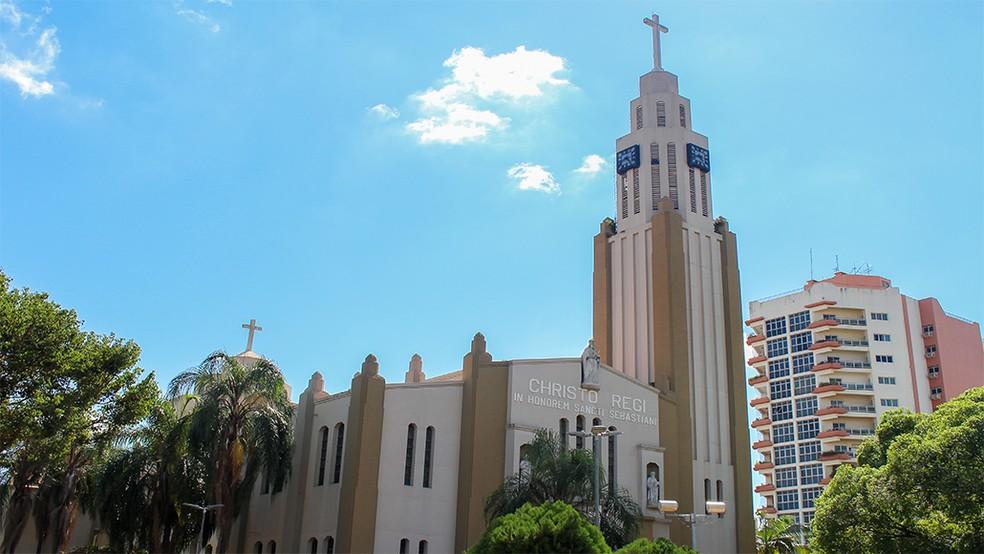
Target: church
(406, 467)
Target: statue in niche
(590, 367)
(652, 489)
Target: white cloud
(28, 69)
(199, 18)
(459, 110)
(533, 177)
(223, 2)
(593, 163)
(385, 112)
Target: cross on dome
(253, 328)
(657, 29)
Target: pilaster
(602, 291)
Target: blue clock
(627, 159)
(698, 157)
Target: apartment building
(830, 360)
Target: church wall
(320, 515)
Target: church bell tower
(667, 306)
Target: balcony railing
(861, 409)
(849, 342)
(857, 386)
(844, 321)
(861, 432)
(855, 365)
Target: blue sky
(173, 169)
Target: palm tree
(241, 426)
(552, 472)
(779, 535)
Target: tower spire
(657, 29)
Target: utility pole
(204, 510)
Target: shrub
(661, 545)
(550, 527)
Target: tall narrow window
(324, 456)
(635, 191)
(422, 547)
(703, 193)
(693, 192)
(672, 174)
(272, 547)
(313, 544)
(404, 546)
(329, 545)
(720, 491)
(339, 444)
(612, 464)
(408, 465)
(660, 114)
(258, 548)
(265, 483)
(579, 427)
(625, 195)
(683, 116)
(428, 455)
(638, 117)
(707, 492)
(563, 433)
(654, 172)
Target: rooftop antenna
(837, 263)
(811, 264)
(864, 268)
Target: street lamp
(205, 510)
(714, 509)
(597, 431)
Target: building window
(777, 347)
(879, 316)
(810, 497)
(884, 359)
(786, 477)
(272, 547)
(778, 368)
(799, 320)
(782, 411)
(785, 455)
(934, 371)
(638, 117)
(879, 337)
(787, 500)
(612, 463)
(579, 440)
(936, 393)
(660, 114)
(635, 190)
(779, 389)
(408, 463)
(931, 351)
(258, 547)
(802, 362)
(404, 546)
(671, 171)
(886, 380)
(720, 490)
(329, 545)
(807, 518)
(693, 192)
(422, 547)
(428, 456)
(339, 444)
(890, 402)
(563, 433)
(808, 429)
(775, 327)
(313, 544)
(324, 456)
(683, 116)
(782, 432)
(703, 194)
(928, 330)
(800, 342)
(625, 196)
(654, 172)
(811, 474)
(265, 483)
(806, 406)
(809, 451)
(804, 384)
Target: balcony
(831, 410)
(765, 487)
(832, 433)
(758, 380)
(761, 466)
(764, 443)
(761, 422)
(757, 360)
(749, 322)
(767, 511)
(754, 338)
(758, 401)
(828, 387)
(848, 388)
(824, 344)
(825, 322)
(821, 303)
(826, 480)
(864, 410)
(832, 456)
(860, 432)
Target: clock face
(627, 159)
(698, 157)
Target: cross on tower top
(253, 328)
(657, 29)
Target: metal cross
(253, 328)
(657, 29)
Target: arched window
(404, 546)
(660, 114)
(339, 445)
(707, 492)
(563, 433)
(422, 547)
(272, 547)
(720, 491)
(408, 464)
(579, 427)
(683, 116)
(324, 455)
(596, 421)
(612, 462)
(428, 456)
(258, 547)
(208, 549)
(329, 545)
(313, 543)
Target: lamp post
(713, 510)
(597, 431)
(205, 510)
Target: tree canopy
(550, 527)
(917, 486)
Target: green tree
(68, 396)
(551, 527)
(777, 536)
(917, 486)
(557, 473)
(661, 545)
(241, 426)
